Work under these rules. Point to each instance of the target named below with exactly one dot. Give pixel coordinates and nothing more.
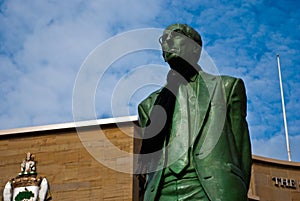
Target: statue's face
(175, 44)
(28, 156)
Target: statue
(28, 165)
(196, 143)
(27, 185)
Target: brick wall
(72, 172)
(264, 173)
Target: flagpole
(283, 111)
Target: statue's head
(181, 42)
(29, 156)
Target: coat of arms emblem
(27, 186)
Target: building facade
(93, 160)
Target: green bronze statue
(196, 143)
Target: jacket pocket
(236, 170)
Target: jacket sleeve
(237, 110)
(144, 110)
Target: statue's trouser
(184, 189)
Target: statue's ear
(196, 48)
(197, 52)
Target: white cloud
(45, 43)
(275, 147)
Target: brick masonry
(73, 174)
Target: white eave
(69, 125)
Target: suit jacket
(221, 148)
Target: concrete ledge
(68, 125)
(276, 162)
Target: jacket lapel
(199, 101)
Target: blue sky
(43, 45)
